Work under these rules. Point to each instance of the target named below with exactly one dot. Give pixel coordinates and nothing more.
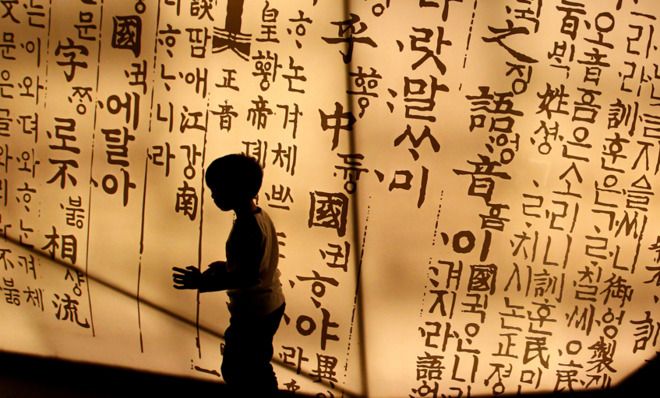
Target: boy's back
(266, 295)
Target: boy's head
(234, 180)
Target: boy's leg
(248, 352)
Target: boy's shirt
(253, 252)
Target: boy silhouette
(249, 275)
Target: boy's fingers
(179, 270)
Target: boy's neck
(246, 209)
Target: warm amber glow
(465, 190)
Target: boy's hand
(188, 278)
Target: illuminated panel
(464, 190)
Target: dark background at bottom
(24, 376)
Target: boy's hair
(239, 173)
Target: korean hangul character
(111, 184)
(433, 331)
(639, 194)
(161, 155)
(74, 212)
(293, 357)
(86, 27)
(306, 325)
(425, 390)
(12, 295)
(367, 84)
(570, 177)
(34, 47)
(515, 317)
(586, 109)
(508, 143)
(117, 141)
(24, 195)
(279, 196)
(300, 28)
(266, 67)
(165, 113)
(198, 39)
(28, 264)
(30, 125)
(337, 256)
(257, 149)
(403, 179)
(586, 286)
(613, 151)
(610, 321)
(5, 157)
(37, 17)
(295, 77)
(523, 75)
(454, 272)
(606, 192)
(130, 106)
(562, 54)
(632, 81)
(63, 141)
(6, 87)
(199, 78)
(7, 45)
(137, 75)
(528, 12)
(539, 317)
(5, 122)
(285, 157)
(27, 162)
(351, 170)
(419, 97)
(318, 285)
(290, 117)
(603, 23)
(84, 97)
(494, 219)
(191, 156)
(78, 278)
(651, 125)
(167, 37)
(478, 305)
(578, 141)
(34, 296)
(166, 78)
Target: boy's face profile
(222, 197)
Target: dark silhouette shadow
(24, 376)
(250, 276)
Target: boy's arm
(213, 279)
(241, 269)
